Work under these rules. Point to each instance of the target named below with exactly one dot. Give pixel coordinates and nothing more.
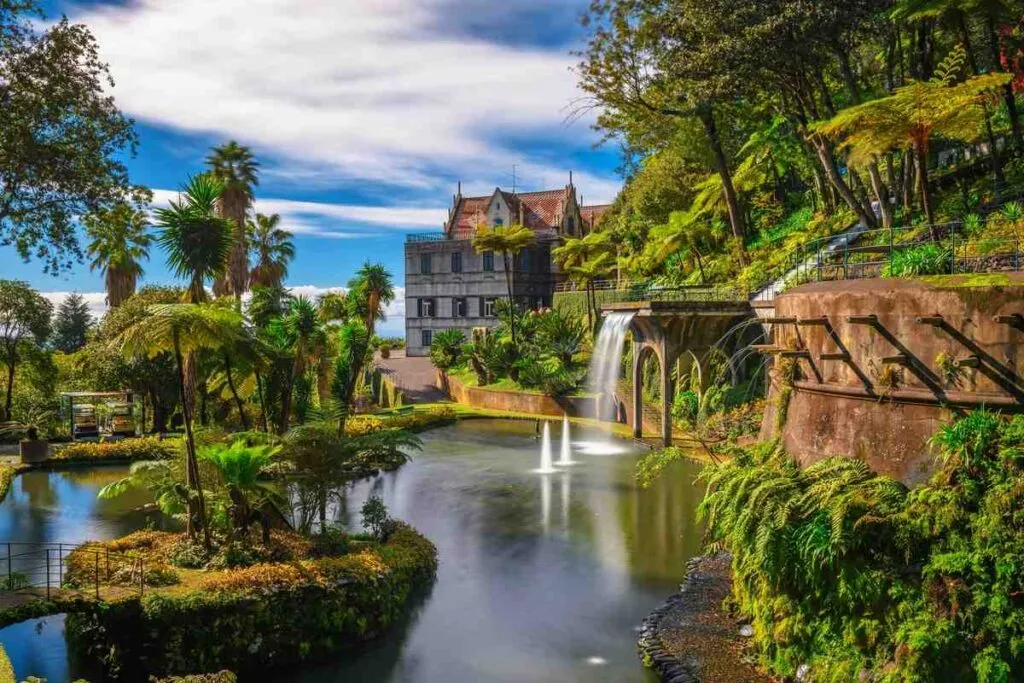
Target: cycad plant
(446, 349)
(119, 242)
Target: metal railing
(43, 568)
(426, 237)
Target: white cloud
(316, 218)
(361, 90)
(394, 325)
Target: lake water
(541, 577)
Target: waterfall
(603, 375)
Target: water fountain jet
(565, 454)
(546, 466)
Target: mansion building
(448, 285)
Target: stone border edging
(665, 665)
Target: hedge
(124, 450)
(263, 616)
(7, 473)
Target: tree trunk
(286, 395)
(511, 299)
(159, 414)
(965, 38)
(881, 194)
(10, 388)
(234, 392)
(1008, 97)
(921, 152)
(722, 168)
(828, 164)
(263, 402)
(909, 182)
(196, 508)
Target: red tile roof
(592, 214)
(541, 211)
(469, 213)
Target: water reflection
(542, 577)
(61, 507)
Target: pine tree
(72, 323)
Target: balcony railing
(426, 237)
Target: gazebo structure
(84, 400)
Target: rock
(746, 630)
(803, 672)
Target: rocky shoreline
(690, 638)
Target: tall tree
(913, 114)
(353, 344)
(303, 335)
(72, 323)
(62, 137)
(120, 241)
(196, 240)
(24, 323)
(238, 172)
(183, 330)
(370, 291)
(272, 248)
(508, 241)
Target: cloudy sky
(364, 113)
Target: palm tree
(120, 241)
(353, 344)
(236, 169)
(184, 329)
(300, 329)
(373, 291)
(196, 240)
(272, 248)
(913, 114)
(239, 466)
(509, 240)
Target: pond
(541, 577)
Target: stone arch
(642, 351)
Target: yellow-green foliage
(266, 614)
(413, 421)
(849, 571)
(7, 473)
(219, 677)
(6, 670)
(125, 450)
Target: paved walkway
(415, 376)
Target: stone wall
(517, 402)
(901, 358)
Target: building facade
(448, 285)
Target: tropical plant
(913, 114)
(925, 259)
(24, 326)
(300, 333)
(560, 335)
(196, 240)
(183, 329)
(120, 241)
(240, 466)
(508, 241)
(353, 347)
(332, 307)
(587, 273)
(272, 250)
(162, 478)
(446, 349)
(237, 171)
(370, 291)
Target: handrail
(19, 575)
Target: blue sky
(364, 113)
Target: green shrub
(7, 473)
(850, 572)
(125, 450)
(927, 259)
(219, 677)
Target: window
(489, 307)
(489, 261)
(524, 261)
(570, 225)
(457, 262)
(499, 221)
(425, 264)
(426, 337)
(459, 307)
(425, 308)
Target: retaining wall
(517, 402)
(902, 358)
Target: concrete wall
(885, 412)
(536, 404)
